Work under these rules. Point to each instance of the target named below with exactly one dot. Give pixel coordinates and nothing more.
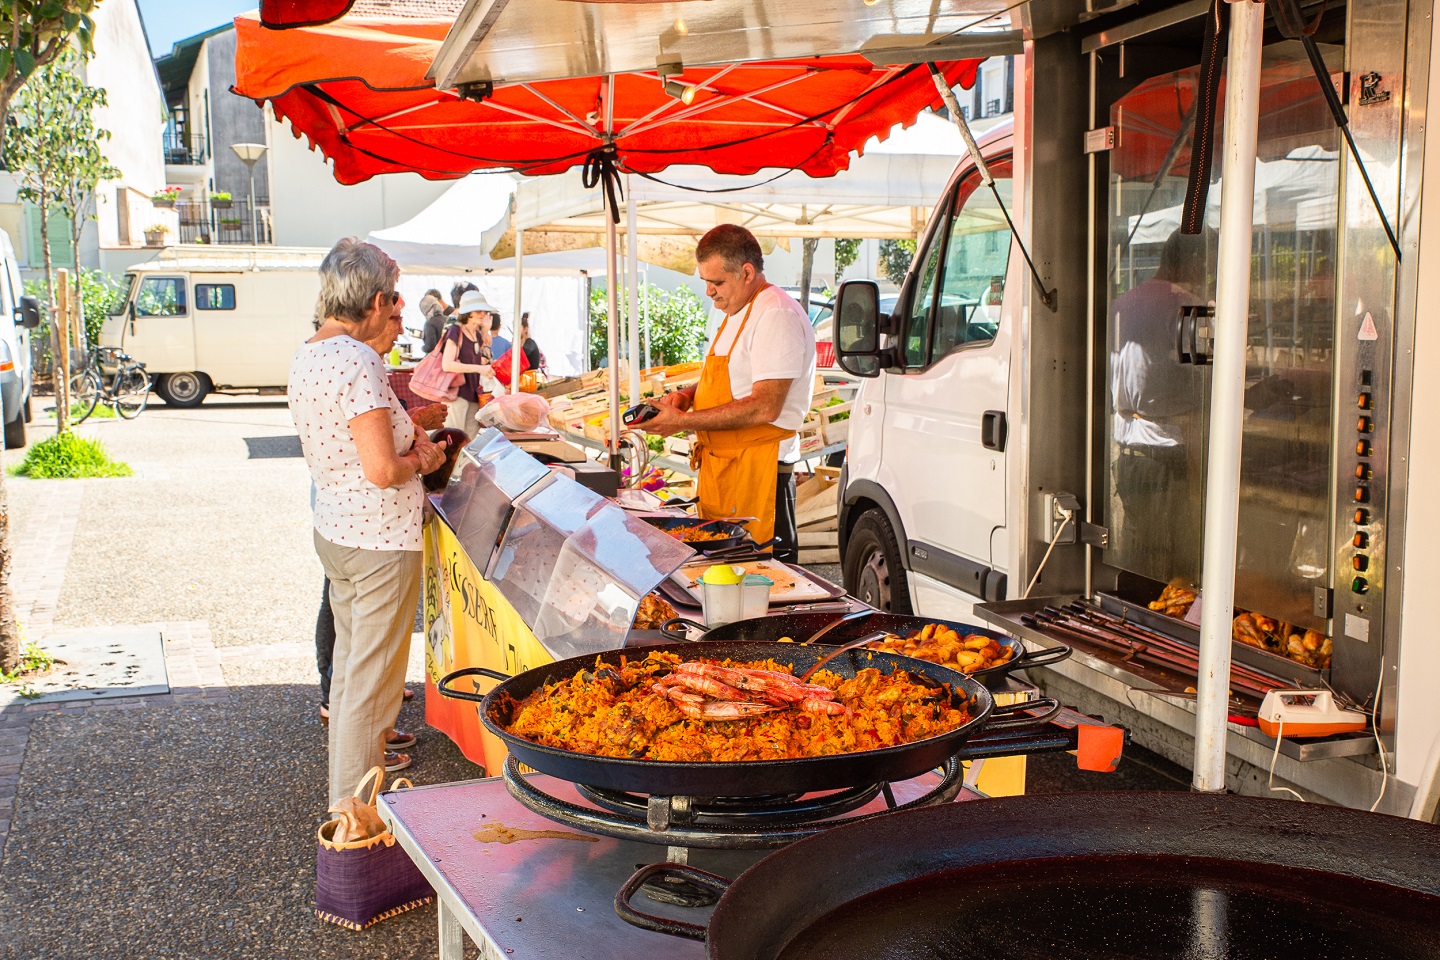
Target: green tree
(895, 257)
(677, 324)
(99, 292)
(34, 33)
(54, 150)
(846, 253)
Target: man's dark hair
(432, 292)
(734, 245)
(458, 291)
(494, 323)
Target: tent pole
(517, 345)
(645, 307)
(632, 248)
(1227, 393)
(612, 336)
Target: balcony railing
(220, 221)
(186, 150)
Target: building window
(214, 296)
(992, 108)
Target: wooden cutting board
(790, 587)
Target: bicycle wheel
(84, 394)
(132, 391)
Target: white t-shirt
(331, 383)
(778, 344)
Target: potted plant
(221, 201)
(166, 198)
(155, 236)
(230, 224)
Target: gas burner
(723, 823)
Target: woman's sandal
(396, 761)
(324, 713)
(409, 694)
(398, 739)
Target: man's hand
(431, 455)
(431, 417)
(667, 422)
(677, 400)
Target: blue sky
(169, 20)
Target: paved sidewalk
(181, 825)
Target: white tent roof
(883, 195)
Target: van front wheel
(183, 389)
(874, 568)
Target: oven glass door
(1157, 411)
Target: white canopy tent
(886, 194)
(442, 245)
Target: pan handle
(1014, 716)
(1040, 658)
(447, 691)
(646, 921)
(672, 628)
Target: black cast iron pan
(1123, 875)
(798, 626)
(751, 778)
(734, 534)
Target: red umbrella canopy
(284, 14)
(357, 89)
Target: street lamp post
(250, 154)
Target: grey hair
(350, 276)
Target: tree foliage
(677, 324)
(99, 292)
(34, 33)
(846, 253)
(895, 257)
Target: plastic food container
(722, 594)
(755, 596)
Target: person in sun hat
(467, 352)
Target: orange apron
(737, 468)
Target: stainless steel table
(549, 895)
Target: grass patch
(102, 411)
(68, 456)
(33, 660)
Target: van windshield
(122, 295)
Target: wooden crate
(817, 501)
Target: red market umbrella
(357, 88)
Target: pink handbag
(431, 382)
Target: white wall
(309, 209)
(136, 114)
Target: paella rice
(623, 711)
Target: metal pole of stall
(1227, 392)
(517, 342)
(632, 256)
(612, 336)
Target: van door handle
(993, 429)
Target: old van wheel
(183, 389)
(874, 568)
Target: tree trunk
(63, 310)
(807, 269)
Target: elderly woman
(466, 348)
(366, 458)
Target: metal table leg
(452, 935)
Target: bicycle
(127, 389)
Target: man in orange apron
(753, 394)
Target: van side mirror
(28, 313)
(857, 328)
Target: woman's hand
(431, 417)
(430, 455)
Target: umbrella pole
(517, 345)
(632, 248)
(612, 337)
(1227, 393)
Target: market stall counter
(524, 566)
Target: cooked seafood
(652, 613)
(938, 643)
(663, 708)
(698, 534)
(1175, 600)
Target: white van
(203, 319)
(19, 315)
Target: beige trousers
(373, 594)
(462, 416)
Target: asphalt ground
(188, 830)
